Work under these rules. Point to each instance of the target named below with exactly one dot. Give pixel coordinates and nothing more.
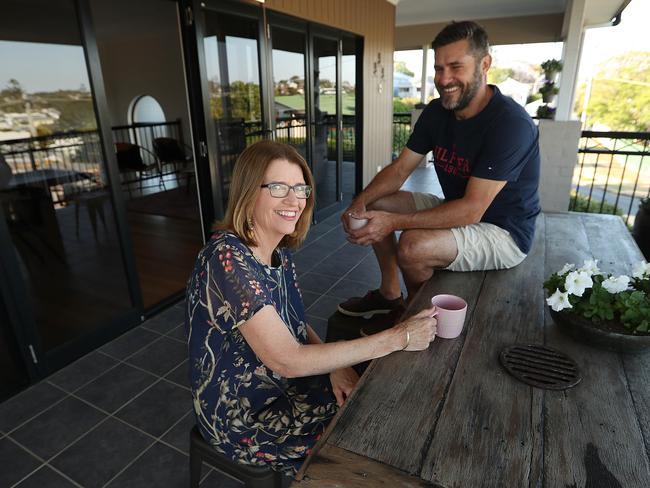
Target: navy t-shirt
(500, 143)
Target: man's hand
(379, 225)
(356, 208)
(343, 382)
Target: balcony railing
(401, 131)
(79, 155)
(612, 174)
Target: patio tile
(129, 343)
(159, 466)
(347, 288)
(82, 371)
(217, 479)
(337, 265)
(104, 452)
(367, 272)
(160, 357)
(158, 408)
(308, 298)
(324, 307)
(180, 375)
(113, 389)
(22, 463)
(166, 320)
(178, 333)
(53, 430)
(316, 282)
(27, 404)
(45, 477)
(179, 435)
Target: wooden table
(451, 416)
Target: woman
(259, 373)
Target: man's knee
(410, 248)
(425, 249)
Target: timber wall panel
(375, 21)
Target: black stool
(251, 476)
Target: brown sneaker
(381, 323)
(373, 303)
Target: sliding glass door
(67, 270)
(268, 75)
(233, 80)
(325, 162)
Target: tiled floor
(120, 416)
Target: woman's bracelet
(408, 339)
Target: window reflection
(289, 88)
(57, 203)
(232, 65)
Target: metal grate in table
(540, 366)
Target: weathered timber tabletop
(452, 417)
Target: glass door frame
(204, 137)
(17, 299)
(329, 35)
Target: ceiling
(414, 12)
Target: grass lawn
(327, 103)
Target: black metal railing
(612, 174)
(76, 157)
(401, 131)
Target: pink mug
(451, 315)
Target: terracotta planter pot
(641, 231)
(606, 335)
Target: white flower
(558, 300)
(641, 270)
(616, 285)
(590, 267)
(566, 268)
(577, 282)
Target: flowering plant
(599, 297)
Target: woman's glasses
(281, 190)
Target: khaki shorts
(480, 246)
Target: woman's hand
(421, 329)
(343, 382)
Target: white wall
(140, 54)
(558, 147)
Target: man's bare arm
(469, 209)
(391, 178)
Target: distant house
(403, 86)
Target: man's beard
(467, 92)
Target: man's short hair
(457, 31)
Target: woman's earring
(250, 223)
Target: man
(486, 155)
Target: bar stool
(251, 476)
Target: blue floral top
(245, 410)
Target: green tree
(497, 75)
(400, 67)
(12, 90)
(620, 93)
(401, 105)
